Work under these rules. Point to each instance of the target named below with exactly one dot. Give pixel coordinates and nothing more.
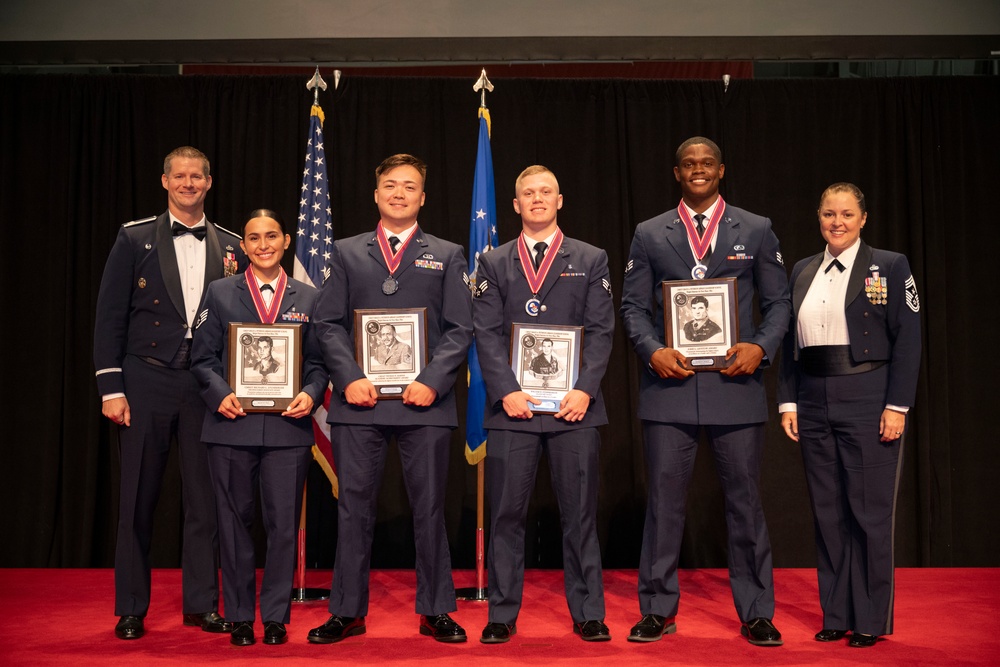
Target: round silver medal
(389, 286)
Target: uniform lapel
(375, 252)
(858, 273)
(168, 263)
(676, 236)
(416, 247)
(213, 255)
(246, 299)
(287, 303)
(726, 237)
(804, 280)
(559, 264)
(515, 259)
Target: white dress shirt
(822, 319)
(191, 265)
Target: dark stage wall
(79, 155)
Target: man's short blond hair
(531, 171)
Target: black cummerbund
(829, 360)
(181, 360)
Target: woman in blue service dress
(269, 451)
(848, 378)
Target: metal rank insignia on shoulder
(877, 289)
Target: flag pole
(479, 593)
(300, 593)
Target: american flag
(314, 236)
(482, 238)
(313, 244)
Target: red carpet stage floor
(65, 617)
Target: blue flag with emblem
(482, 238)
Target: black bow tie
(834, 263)
(266, 286)
(179, 230)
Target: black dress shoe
(592, 631)
(860, 640)
(761, 632)
(497, 633)
(337, 628)
(210, 621)
(651, 628)
(129, 627)
(442, 628)
(242, 634)
(828, 635)
(274, 633)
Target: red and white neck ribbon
(537, 279)
(701, 244)
(267, 315)
(392, 259)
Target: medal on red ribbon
(537, 278)
(392, 259)
(267, 315)
(700, 244)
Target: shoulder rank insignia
(477, 290)
(912, 299)
(140, 222)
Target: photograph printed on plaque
(390, 345)
(265, 364)
(699, 320)
(546, 361)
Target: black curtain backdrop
(80, 155)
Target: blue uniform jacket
(879, 332)
(229, 300)
(746, 249)
(140, 306)
(576, 292)
(430, 275)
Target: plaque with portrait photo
(700, 321)
(546, 362)
(390, 346)
(265, 365)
